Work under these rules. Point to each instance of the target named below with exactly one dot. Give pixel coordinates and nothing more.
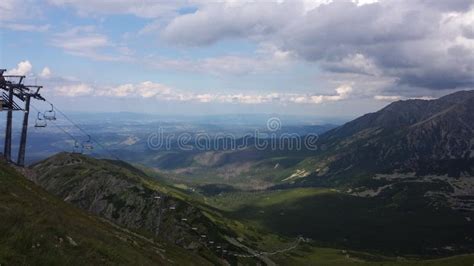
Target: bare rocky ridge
(125, 196)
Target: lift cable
(76, 141)
(83, 131)
(56, 125)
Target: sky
(324, 57)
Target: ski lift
(50, 114)
(88, 144)
(77, 149)
(40, 122)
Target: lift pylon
(14, 91)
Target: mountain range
(419, 136)
(392, 187)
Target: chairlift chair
(50, 114)
(40, 122)
(87, 145)
(77, 149)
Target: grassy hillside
(342, 228)
(126, 196)
(39, 229)
(398, 222)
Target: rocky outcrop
(126, 196)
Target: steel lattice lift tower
(14, 91)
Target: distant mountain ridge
(402, 113)
(422, 136)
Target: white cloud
(45, 73)
(342, 92)
(418, 43)
(146, 89)
(74, 90)
(151, 90)
(364, 2)
(415, 43)
(231, 19)
(23, 68)
(387, 98)
(392, 98)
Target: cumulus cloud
(214, 21)
(403, 39)
(342, 92)
(416, 43)
(419, 43)
(386, 47)
(45, 73)
(74, 90)
(72, 87)
(157, 91)
(23, 68)
(146, 89)
(232, 19)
